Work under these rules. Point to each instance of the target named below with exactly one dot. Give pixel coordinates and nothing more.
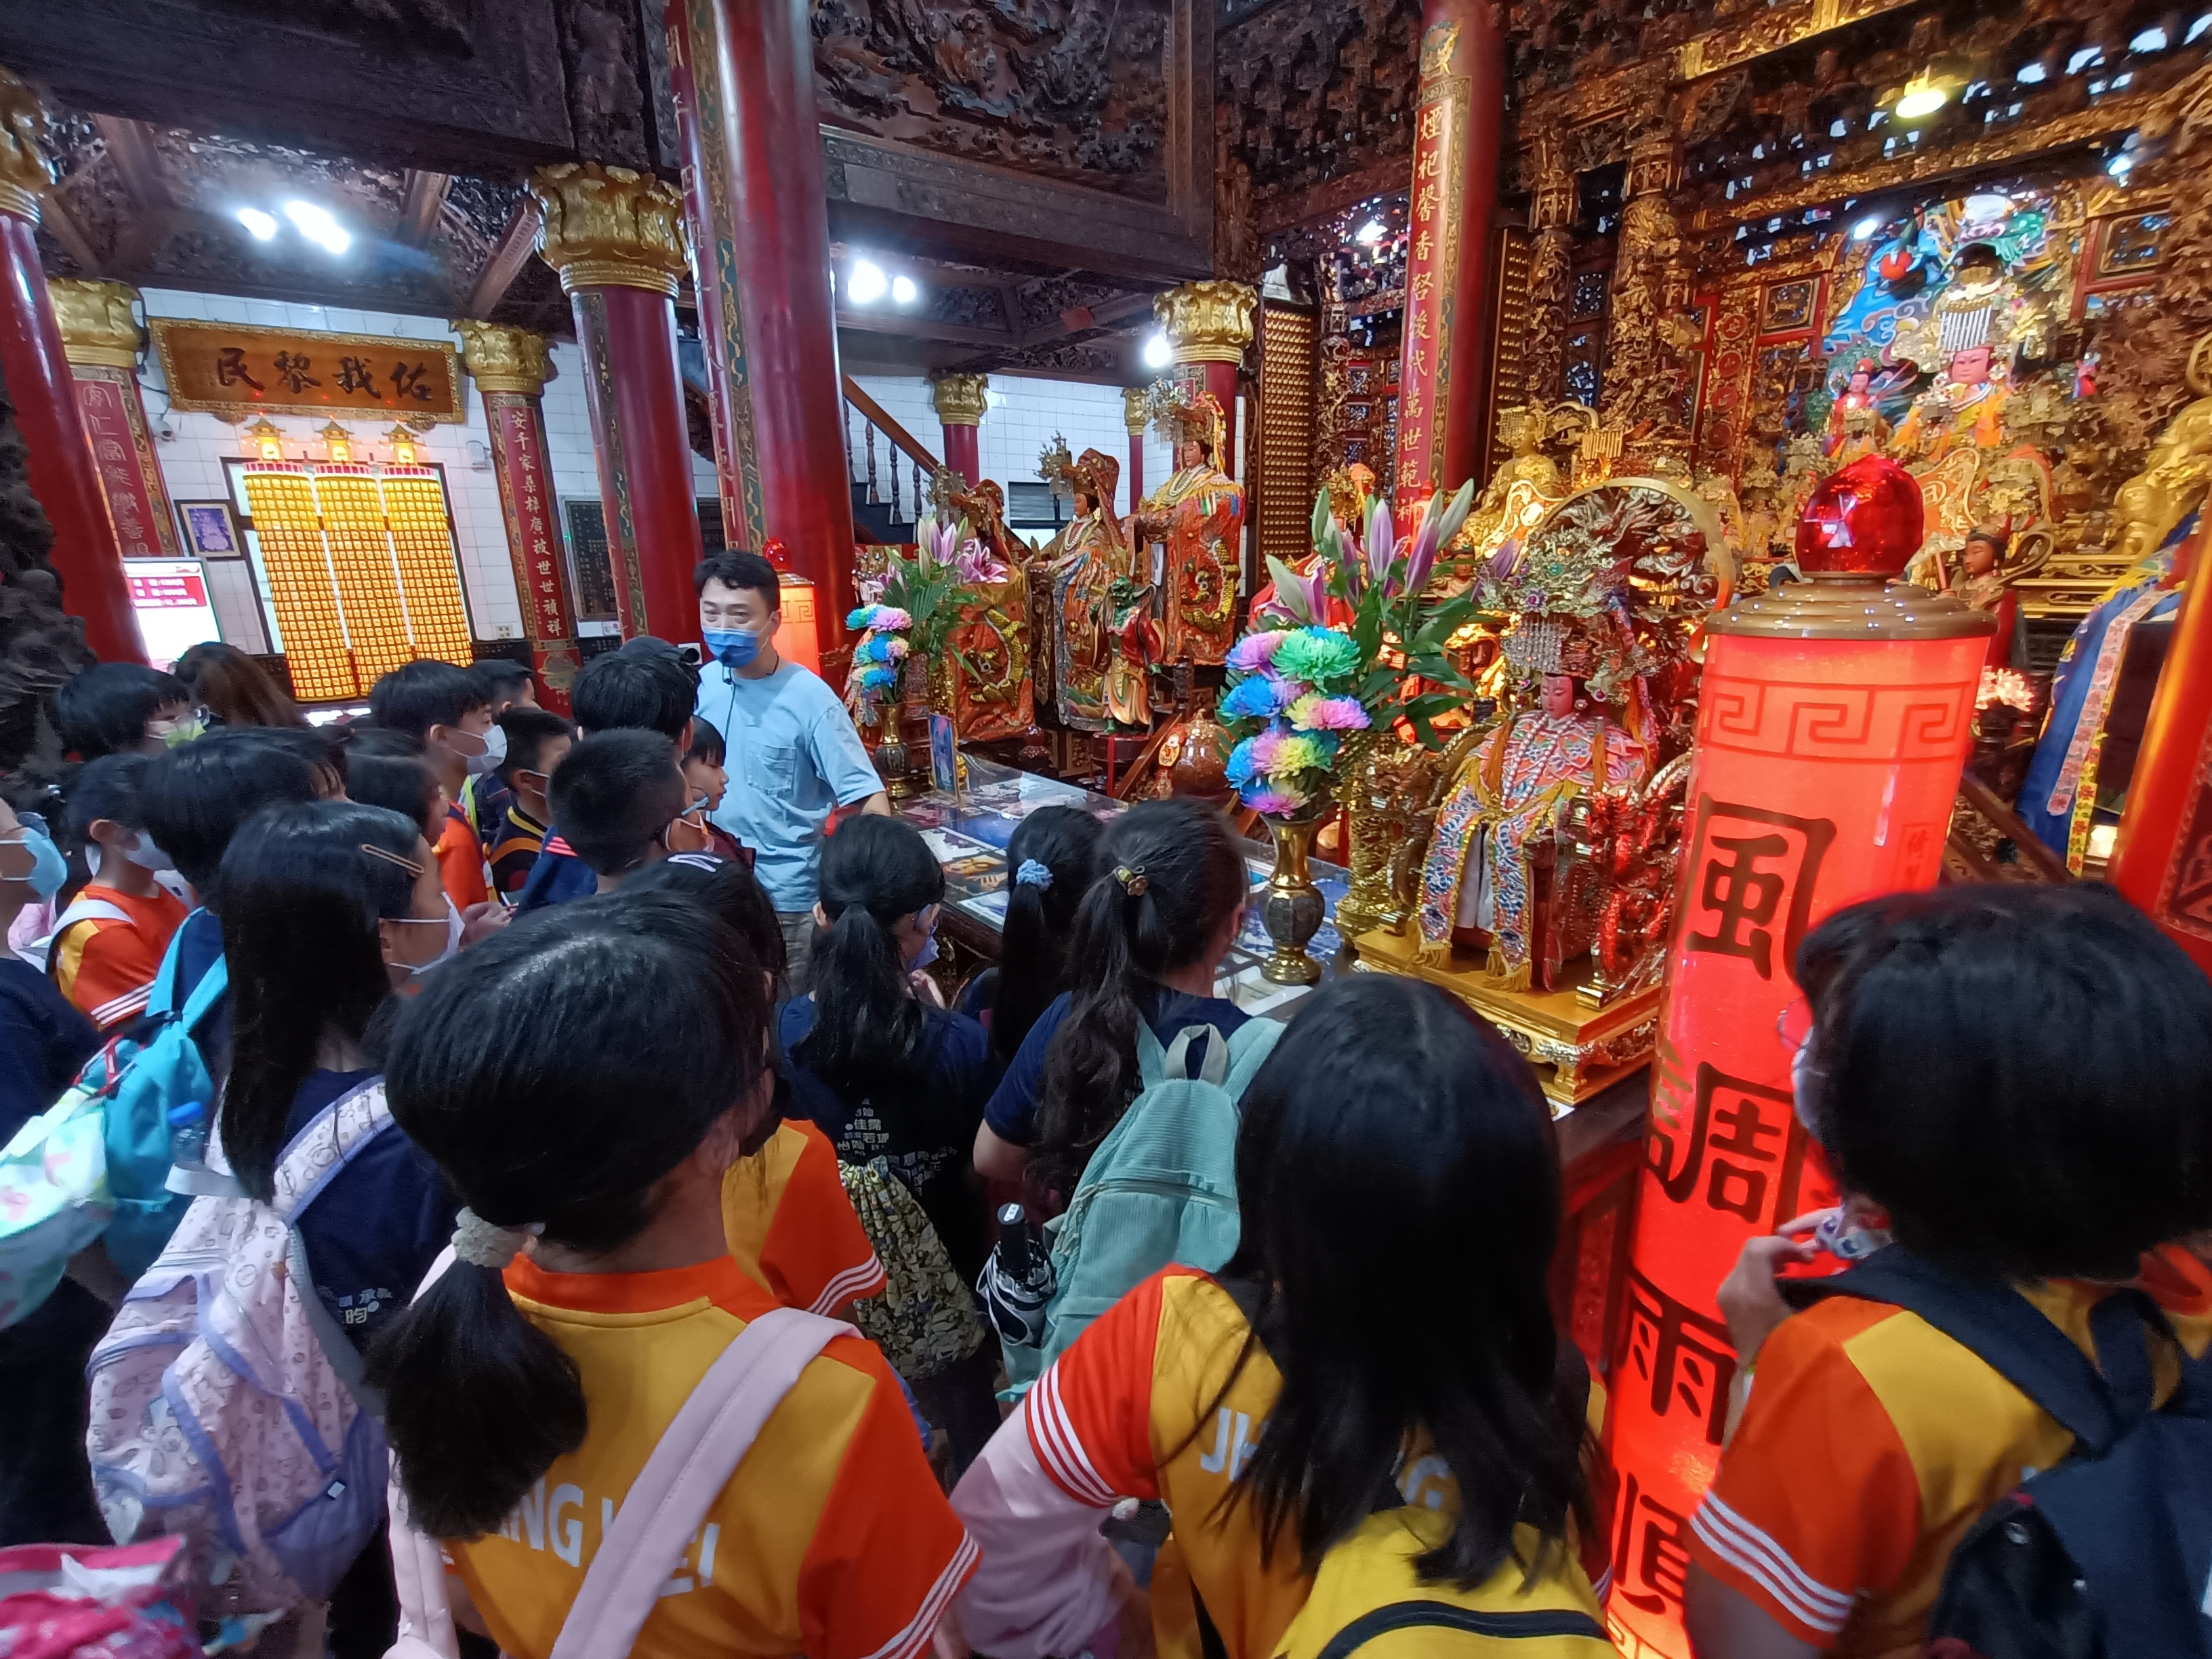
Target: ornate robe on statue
(1477, 873)
(1198, 513)
(1082, 565)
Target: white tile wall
(1023, 414)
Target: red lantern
(1834, 714)
(1866, 519)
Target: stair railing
(922, 466)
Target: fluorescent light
(1866, 228)
(903, 292)
(262, 225)
(867, 283)
(1923, 99)
(1157, 352)
(1370, 234)
(316, 224)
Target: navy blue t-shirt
(924, 1130)
(555, 879)
(378, 1224)
(1013, 1110)
(44, 1043)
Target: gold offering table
(1578, 1051)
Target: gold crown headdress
(1057, 467)
(1180, 409)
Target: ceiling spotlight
(1370, 233)
(317, 225)
(866, 282)
(1866, 228)
(1159, 354)
(903, 292)
(262, 225)
(1922, 96)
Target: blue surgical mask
(47, 870)
(732, 647)
(927, 954)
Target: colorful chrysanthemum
(1314, 713)
(860, 617)
(1239, 767)
(1298, 751)
(895, 649)
(891, 619)
(1254, 651)
(1274, 800)
(1316, 654)
(1256, 698)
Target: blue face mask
(927, 954)
(733, 648)
(46, 872)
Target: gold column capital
(1133, 409)
(603, 227)
(960, 399)
(96, 321)
(500, 358)
(25, 169)
(1654, 165)
(1207, 322)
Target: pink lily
(1382, 542)
(1440, 522)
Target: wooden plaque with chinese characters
(230, 370)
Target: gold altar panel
(1509, 343)
(361, 564)
(1283, 508)
(422, 541)
(282, 501)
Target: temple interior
(1584, 485)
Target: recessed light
(1159, 354)
(903, 292)
(867, 283)
(262, 225)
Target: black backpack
(2108, 1553)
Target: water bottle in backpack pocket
(227, 1404)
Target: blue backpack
(1161, 1189)
(2107, 1554)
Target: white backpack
(698, 1452)
(228, 1405)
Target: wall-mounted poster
(211, 530)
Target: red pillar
(510, 367)
(616, 237)
(64, 474)
(2163, 860)
(1208, 325)
(1133, 416)
(101, 337)
(1454, 189)
(960, 401)
(763, 237)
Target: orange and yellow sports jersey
(832, 1540)
(106, 967)
(461, 862)
(1136, 1409)
(791, 1228)
(1871, 1442)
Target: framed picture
(211, 530)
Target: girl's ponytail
(1052, 858)
(1172, 876)
(867, 1028)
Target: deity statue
(1197, 513)
(1855, 425)
(1125, 689)
(984, 506)
(1073, 578)
(1987, 586)
(1512, 788)
(1973, 332)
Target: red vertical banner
(1825, 772)
(123, 450)
(533, 540)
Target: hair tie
(1033, 874)
(1133, 878)
(481, 1244)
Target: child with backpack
(108, 943)
(899, 1085)
(1360, 1422)
(1149, 934)
(328, 907)
(1054, 856)
(2017, 1078)
(592, 1332)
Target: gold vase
(1292, 909)
(908, 726)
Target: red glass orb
(1895, 265)
(776, 553)
(1866, 519)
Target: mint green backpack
(1160, 1190)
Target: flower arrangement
(918, 607)
(1331, 651)
(883, 645)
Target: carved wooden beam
(1103, 315)
(131, 146)
(921, 328)
(58, 223)
(420, 207)
(517, 243)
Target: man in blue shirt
(793, 757)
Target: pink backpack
(227, 1404)
(698, 1452)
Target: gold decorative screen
(361, 568)
(1509, 349)
(1282, 501)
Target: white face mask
(451, 923)
(493, 753)
(142, 852)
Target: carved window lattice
(1590, 287)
